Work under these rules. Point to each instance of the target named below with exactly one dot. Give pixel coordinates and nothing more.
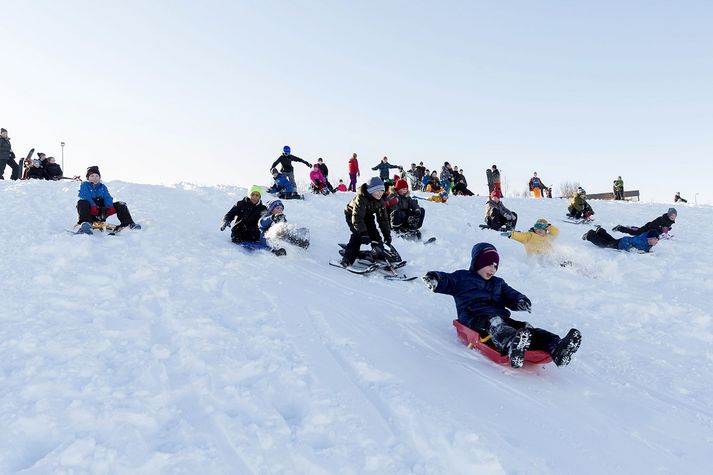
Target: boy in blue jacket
(483, 303)
(644, 242)
(96, 204)
(282, 186)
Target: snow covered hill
(171, 350)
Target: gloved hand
(225, 225)
(278, 217)
(309, 165)
(431, 280)
(109, 211)
(506, 234)
(94, 211)
(524, 304)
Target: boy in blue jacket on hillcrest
(96, 204)
(483, 303)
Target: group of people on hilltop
(41, 168)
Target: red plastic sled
(472, 338)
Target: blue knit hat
(374, 184)
(274, 204)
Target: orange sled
(472, 338)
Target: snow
(171, 350)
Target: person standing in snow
(353, 166)
(536, 186)
(537, 239)
(643, 242)
(7, 156)
(362, 214)
(497, 216)
(383, 167)
(662, 224)
(96, 204)
(619, 189)
(285, 160)
(446, 176)
(678, 198)
(483, 303)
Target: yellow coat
(534, 243)
(436, 198)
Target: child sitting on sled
(96, 204)
(483, 303)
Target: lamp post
(62, 144)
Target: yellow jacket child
(537, 239)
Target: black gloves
(431, 280)
(278, 218)
(524, 304)
(225, 225)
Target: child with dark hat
(483, 303)
(96, 204)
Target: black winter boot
(518, 346)
(566, 347)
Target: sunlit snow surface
(172, 350)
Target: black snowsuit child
(362, 214)
(497, 216)
(483, 303)
(406, 215)
(246, 214)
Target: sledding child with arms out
(406, 215)
(537, 240)
(247, 213)
(483, 303)
(362, 214)
(95, 205)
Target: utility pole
(62, 144)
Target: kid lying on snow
(482, 302)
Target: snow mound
(171, 350)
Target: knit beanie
(274, 204)
(255, 189)
(401, 184)
(93, 169)
(487, 256)
(3, 130)
(374, 184)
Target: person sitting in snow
(325, 173)
(497, 216)
(643, 242)
(319, 184)
(441, 197)
(483, 303)
(96, 204)
(36, 171)
(433, 185)
(52, 170)
(362, 214)
(247, 213)
(537, 239)
(274, 227)
(282, 186)
(341, 186)
(460, 184)
(406, 215)
(578, 207)
(662, 224)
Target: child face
(377, 195)
(488, 271)
(403, 191)
(94, 178)
(278, 210)
(652, 241)
(255, 197)
(540, 232)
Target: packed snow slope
(172, 350)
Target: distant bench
(632, 195)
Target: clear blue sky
(209, 92)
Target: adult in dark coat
(483, 303)
(246, 213)
(362, 214)
(662, 224)
(7, 156)
(285, 160)
(383, 167)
